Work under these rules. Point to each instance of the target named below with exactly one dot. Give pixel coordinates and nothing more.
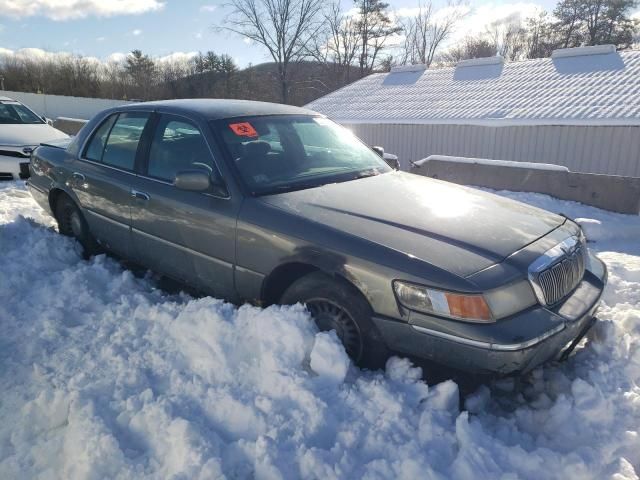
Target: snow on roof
(409, 68)
(476, 62)
(586, 85)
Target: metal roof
(587, 85)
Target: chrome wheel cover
(328, 316)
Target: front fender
(268, 238)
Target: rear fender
(50, 173)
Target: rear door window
(122, 144)
(177, 145)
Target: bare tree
(337, 45)
(470, 47)
(428, 30)
(284, 27)
(509, 36)
(114, 80)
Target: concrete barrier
(70, 126)
(610, 192)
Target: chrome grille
(559, 271)
(561, 278)
(24, 171)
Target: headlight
(467, 307)
(510, 299)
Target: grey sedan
(271, 204)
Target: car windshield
(16, 113)
(276, 154)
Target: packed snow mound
(619, 232)
(105, 376)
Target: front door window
(177, 146)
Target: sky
(108, 29)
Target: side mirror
(378, 150)
(392, 160)
(192, 180)
(48, 121)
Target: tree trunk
(284, 85)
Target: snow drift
(105, 376)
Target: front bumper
(13, 168)
(513, 345)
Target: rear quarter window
(95, 148)
(115, 142)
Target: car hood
(459, 229)
(11, 134)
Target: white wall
(611, 150)
(54, 106)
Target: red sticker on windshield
(244, 129)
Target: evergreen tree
(595, 22)
(374, 27)
(141, 69)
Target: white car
(21, 130)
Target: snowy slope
(104, 376)
(579, 90)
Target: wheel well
(281, 278)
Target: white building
(580, 108)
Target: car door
(102, 178)
(183, 234)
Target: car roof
(6, 99)
(216, 109)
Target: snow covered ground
(102, 375)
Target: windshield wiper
(289, 187)
(367, 173)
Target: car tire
(71, 223)
(337, 305)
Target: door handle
(139, 195)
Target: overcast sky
(106, 28)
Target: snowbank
(610, 230)
(105, 376)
